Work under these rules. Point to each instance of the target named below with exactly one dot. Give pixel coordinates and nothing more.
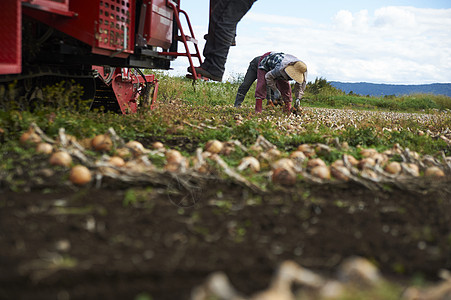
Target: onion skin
(366, 162)
(44, 148)
(123, 152)
(340, 172)
(370, 152)
(352, 160)
(102, 142)
(116, 161)
(30, 137)
(80, 175)
(285, 163)
(61, 158)
(284, 176)
(298, 156)
(307, 149)
(315, 163)
(214, 146)
(322, 172)
(158, 146)
(136, 147)
(174, 156)
(393, 167)
(434, 172)
(249, 162)
(413, 169)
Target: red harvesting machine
(100, 44)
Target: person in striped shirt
(276, 70)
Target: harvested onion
(380, 159)
(80, 175)
(315, 163)
(370, 152)
(298, 156)
(434, 172)
(411, 168)
(136, 147)
(30, 137)
(214, 146)
(338, 163)
(60, 158)
(173, 156)
(102, 142)
(367, 162)
(340, 172)
(393, 167)
(322, 172)
(123, 152)
(307, 149)
(285, 163)
(351, 159)
(249, 162)
(284, 176)
(158, 146)
(45, 148)
(116, 161)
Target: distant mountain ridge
(375, 89)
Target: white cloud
(393, 16)
(344, 19)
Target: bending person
(275, 71)
(249, 78)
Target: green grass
(319, 93)
(183, 108)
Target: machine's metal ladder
(185, 39)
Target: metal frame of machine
(109, 41)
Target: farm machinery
(102, 45)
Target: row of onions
(281, 168)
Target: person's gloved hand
(277, 94)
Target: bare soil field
(111, 243)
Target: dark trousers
(249, 78)
(224, 17)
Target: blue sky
(399, 42)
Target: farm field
(157, 228)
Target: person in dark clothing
(224, 17)
(249, 78)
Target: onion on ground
(80, 175)
(44, 148)
(102, 142)
(61, 158)
(30, 137)
(214, 146)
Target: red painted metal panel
(106, 25)
(158, 27)
(60, 7)
(116, 25)
(11, 37)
